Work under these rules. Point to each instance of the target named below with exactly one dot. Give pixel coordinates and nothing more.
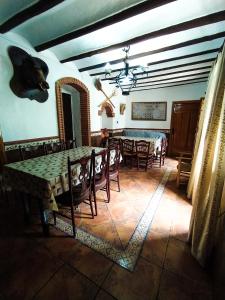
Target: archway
(84, 108)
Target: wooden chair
(100, 174)
(81, 192)
(28, 152)
(128, 151)
(143, 155)
(71, 144)
(113, 142)
(114, 164)
(13, 155)
(55, 147)
(161, 153)
(183, 168)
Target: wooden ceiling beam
(205, 20)
(169, 60)
(162, 87)
(28, 13)
(177, 77)
(168, 48)
(120, 16)
(165, 74)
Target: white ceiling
(72, 15)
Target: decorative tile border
(35, 143)
(125, 258)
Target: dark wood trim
(122, 15)
(30, 140)
(162, 87)
(168, 48)
(172, 67)
(171, 73)
(28, 13)
(202, 21)
(171, 59)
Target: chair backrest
(13, 155)
(104, 137)
(81, 179)
(114, 157)
(55, 147)
(142, 147)
(113, 142)
(128, 146)
(100, 165)
(71, 144)
(31, 151)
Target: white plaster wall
(179, 93)
(21, 118)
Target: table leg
(26, 207)
(44, 218)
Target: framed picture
(149, 111)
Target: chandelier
(126, 79)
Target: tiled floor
(59, 267)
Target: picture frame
(149, 111)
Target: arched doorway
(84, 108)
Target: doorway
(84, 109)
(68, 119)
(184, 121)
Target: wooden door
(68, 120)
(184, 120)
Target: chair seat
(113, 174)
(99, 184)
(79, 195)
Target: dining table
(44, 177)
(155, 143)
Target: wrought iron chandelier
(126, 79)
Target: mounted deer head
(29, 78)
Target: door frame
(84, 108)
(171, 121)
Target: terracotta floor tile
(141, 284)
(92, 264)
(59, 244)
(102, 295)
(68, 284)
(36, 268)
(174, 287)
(179, 260)
(154, 248)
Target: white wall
(21, 118)
(179, 93)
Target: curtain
(208, 166)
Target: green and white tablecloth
(44, 177)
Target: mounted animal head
(29, 78)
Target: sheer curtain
(208, 168)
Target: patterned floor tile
(124, 257)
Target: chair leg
(94, 194)
(54, 217)
(72, 217)
(118, 182)
(108, 191)
(92, 211)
